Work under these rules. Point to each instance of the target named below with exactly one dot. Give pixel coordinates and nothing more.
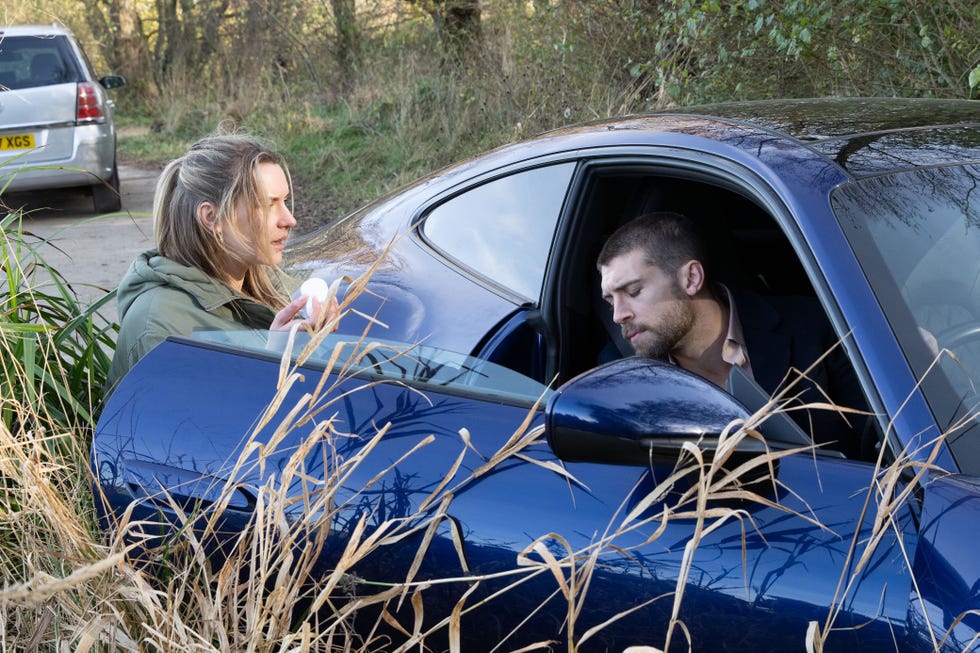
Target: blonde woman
(221, 218)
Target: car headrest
(47, 68)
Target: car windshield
(417, 365)
(917, 235)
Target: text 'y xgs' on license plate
(17, 142)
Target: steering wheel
(958, 335)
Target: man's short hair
(667, 239)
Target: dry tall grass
(66, 586)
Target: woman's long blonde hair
(221, 170)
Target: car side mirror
(639, 411)
(110, 82)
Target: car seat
(47, 68)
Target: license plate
(17, 142)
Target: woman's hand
(322, 315)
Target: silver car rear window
(33, 61)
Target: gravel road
(91, 251)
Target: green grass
(340, 157)
(56, 350)
(144, 147)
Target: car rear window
(503, 230)
(33, 61)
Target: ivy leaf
(975, 77)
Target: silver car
(56, 127)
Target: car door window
(503, 230)
(783, 324)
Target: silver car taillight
(88, 108)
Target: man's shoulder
(774, 311)
(799, 308)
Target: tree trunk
(458, 26)
(348, 45)
(463, 29)
(132, 58)
(123, 45)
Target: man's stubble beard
(675, 323)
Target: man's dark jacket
(785, 336)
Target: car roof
(864, 136)
(859, 136)
(867, 135)
(33, 30)
(822, 119)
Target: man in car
(657, 277)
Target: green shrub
(55, 350)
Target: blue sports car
(532, 481)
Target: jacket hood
(150, 270)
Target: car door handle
(167, 487)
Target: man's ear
(690, 277)
(207, 215)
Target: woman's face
(279, 220)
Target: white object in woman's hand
(316, 306)
(313, 288)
